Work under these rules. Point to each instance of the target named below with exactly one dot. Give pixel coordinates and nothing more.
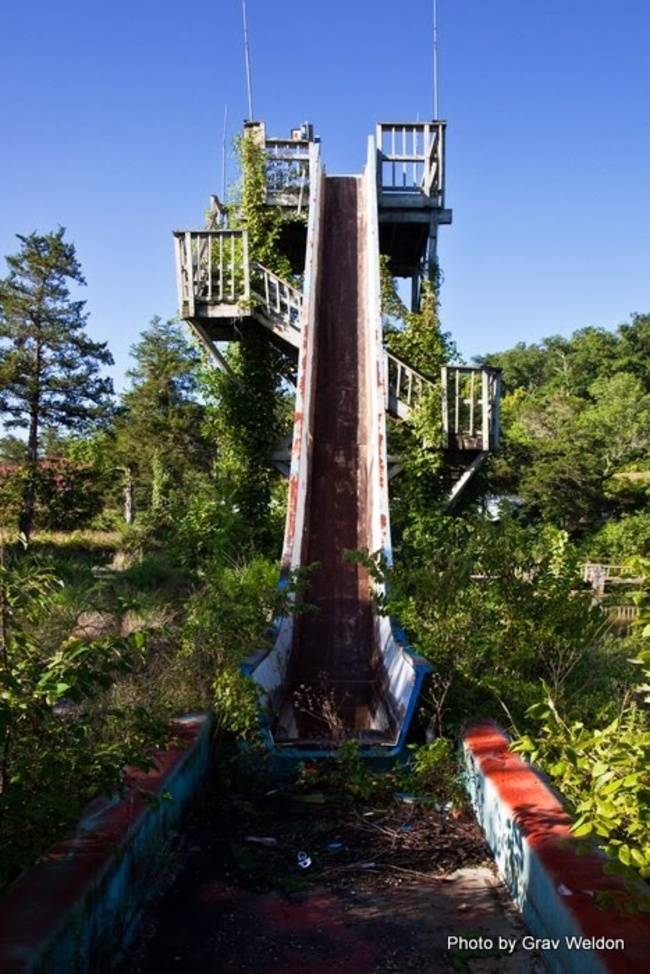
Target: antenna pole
(436, 106)
(223, 154)
(247, 59)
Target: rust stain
(334, 647)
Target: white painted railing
(211, 268)
(213, 272)
(411, 158)
(597, 574)
(470, 401)
(278, 300)
(622, 616)
(287, 172)
(404, 386)
(470, 407)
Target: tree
(634, 348)
(49, 367)
(158, 429)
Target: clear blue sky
(112, 116)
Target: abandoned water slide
(341, 670)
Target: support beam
(463, 481)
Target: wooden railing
(287, 172)
(404, 386)
(215, 277)
(470, 401)
(470, 407)
(281, 302)
(211, 268)
(411, 159)
(597, 574)
(622, 617)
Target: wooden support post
(485, 403)
(209, 243)
(189, 264)
(221, 278)
(180, 286)
(247, 273)
(471, 404)
(496, 411)
(415, 292)
(444, 377)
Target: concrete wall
(78, 907)
(528, 831)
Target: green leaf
(585, 829)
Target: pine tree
(49, 367)
(159, 428)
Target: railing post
(189, 264)
(178, 258)
(485, 403)
(209, 242)
(471, 403)
(247, 270)
(441, 165)
(496, 411)
(445, 406)
(386, 380)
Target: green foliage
(348, 777)
(576, 430)
(263, 223)
(227, 620)
(496, 608)
(247, 418)
(432, 771)
(604, 775)
(68, 494)
(562, 451)
(49, 367)
(415, 337)
(158, 443)
(620, 540)
(61, 743)
(430, 774)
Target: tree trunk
(26, 519)
(129, 506)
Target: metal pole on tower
(436, 107)
(247, 59)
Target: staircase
(221, 291)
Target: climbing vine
(263, 223)
(416, 336)
(252, 410)
(417, 339)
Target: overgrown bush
(496, 608)
(61, 743)
(603, 773)
(69, 494)
(227, 620)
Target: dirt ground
(386, 885)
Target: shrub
(60, 743)
(604, 775)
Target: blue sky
(112, 116)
